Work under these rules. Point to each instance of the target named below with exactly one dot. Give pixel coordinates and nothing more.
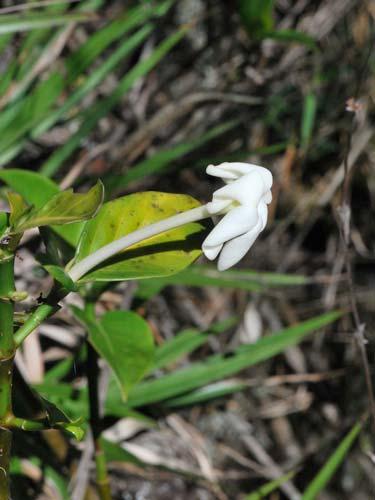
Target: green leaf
(291, 36)
(124, 340)
(269, 487)
(87, 53)
(187, 341)
(60, 275)
(308, 120)
(257, 16)
(202, 275)
(164, 254)
(160, 161)
(18, 207)
(37, 190)
(216, 367)
(64, 208)
(102, 108)
(29, 111)
(211, 391)
(93, 80)
(20, 22)
(57, 419)
(329, 468)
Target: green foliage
(160, 255)
(331, 465)
(17, 22)
(101, 109)
(269, 487)
(63, 208)
(203, 275)
(215, 368)
(38, 190)
(308, 119)
(257, 17)
(124, 340)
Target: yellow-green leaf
(63, 208)
(161, 255)
(18, 207)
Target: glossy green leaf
(331, 465)
(124, 340)
(64, 207)
(37, 190)
(161, 255)
(216, 367)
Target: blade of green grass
(269, 487)
(80, 60)
(308, 120)
(200, 275)
(13, 23)
(33, 109)
(186, 342)
(160, 161)
(101, 109)
(216, 367)
(329, 468)
(94, 79)
(211, 391)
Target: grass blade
(91, 118)
(217, 367)
(329, 468)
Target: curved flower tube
(243, 202)
(244, 199)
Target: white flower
(244, 201)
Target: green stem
(41, 313)
(102, 479)
(7, 350)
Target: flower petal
(234, 250)
(236, 222)
(249, 189)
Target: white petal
(249, 189)
(236, 222)
(230, 171)
(211, 252)
(234, 250)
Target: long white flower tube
(243, 201)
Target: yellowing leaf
(161, 255)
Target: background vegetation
(144, 95)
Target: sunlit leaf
(64, 207)
(160, 255)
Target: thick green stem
(102, 479)
(7, 350)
